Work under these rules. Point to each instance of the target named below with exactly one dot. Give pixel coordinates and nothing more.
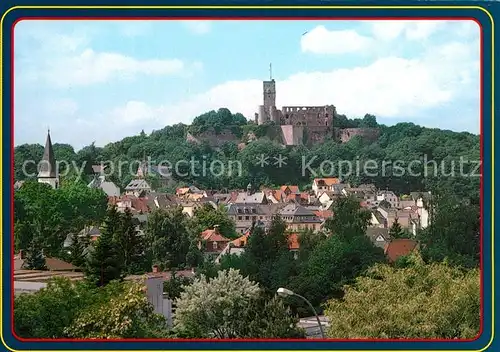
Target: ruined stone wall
(292, 135)
(308, 115)
(347, 134)
(213, 138)
(318, 134)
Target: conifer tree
(104, 263)
(76, 251)
(35, 259)
(396, 231)
(130, 244)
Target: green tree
(454, 232)
(175, 285)
(349, 220)
(396, 231)
(40, 209)
(67, 308)
(76, 251)
(334, 263)
(35, 259)
(230, 306)
(127, 315)
(130, 244)
(267, 258)
(103, 262)
(268, 318)
(416, 310)
(194, 256)
(85, 205)
(207, 217)
(46, 313)
(169, 237)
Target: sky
(100, 81)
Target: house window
(214, 245)
(239, 217)
(247, 218)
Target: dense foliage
(231, 306)
(53, 214)
(419, 301)
(76, 309)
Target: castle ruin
(298, 124)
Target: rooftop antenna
(271, 71)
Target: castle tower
(269, 94)
(47, 172)
(269, 100)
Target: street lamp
(283, 292)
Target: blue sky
(104, 80)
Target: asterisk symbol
(262, 160)
(280, 160)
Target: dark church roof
(48, 164)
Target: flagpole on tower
(271, 71)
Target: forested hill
(451, 156)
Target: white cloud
(67, 60)
(90, 67)
(198, 26)
(135, 112)
(409, 29)
(322, 41)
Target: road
(310, 325)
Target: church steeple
(47, 172)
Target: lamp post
(283, 292)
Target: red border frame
(481, 108)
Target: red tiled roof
(52, 264)
(293, 189)
(325, 214)
(213, 235)
(293, 241)
(277, 194)
(140, 204)
(241, 241)
(328, 181)
(398, 248)
(181, 191)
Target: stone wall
(308, 115)
(318, 134)
(346, 134)
(292, 135)
(214, 139)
